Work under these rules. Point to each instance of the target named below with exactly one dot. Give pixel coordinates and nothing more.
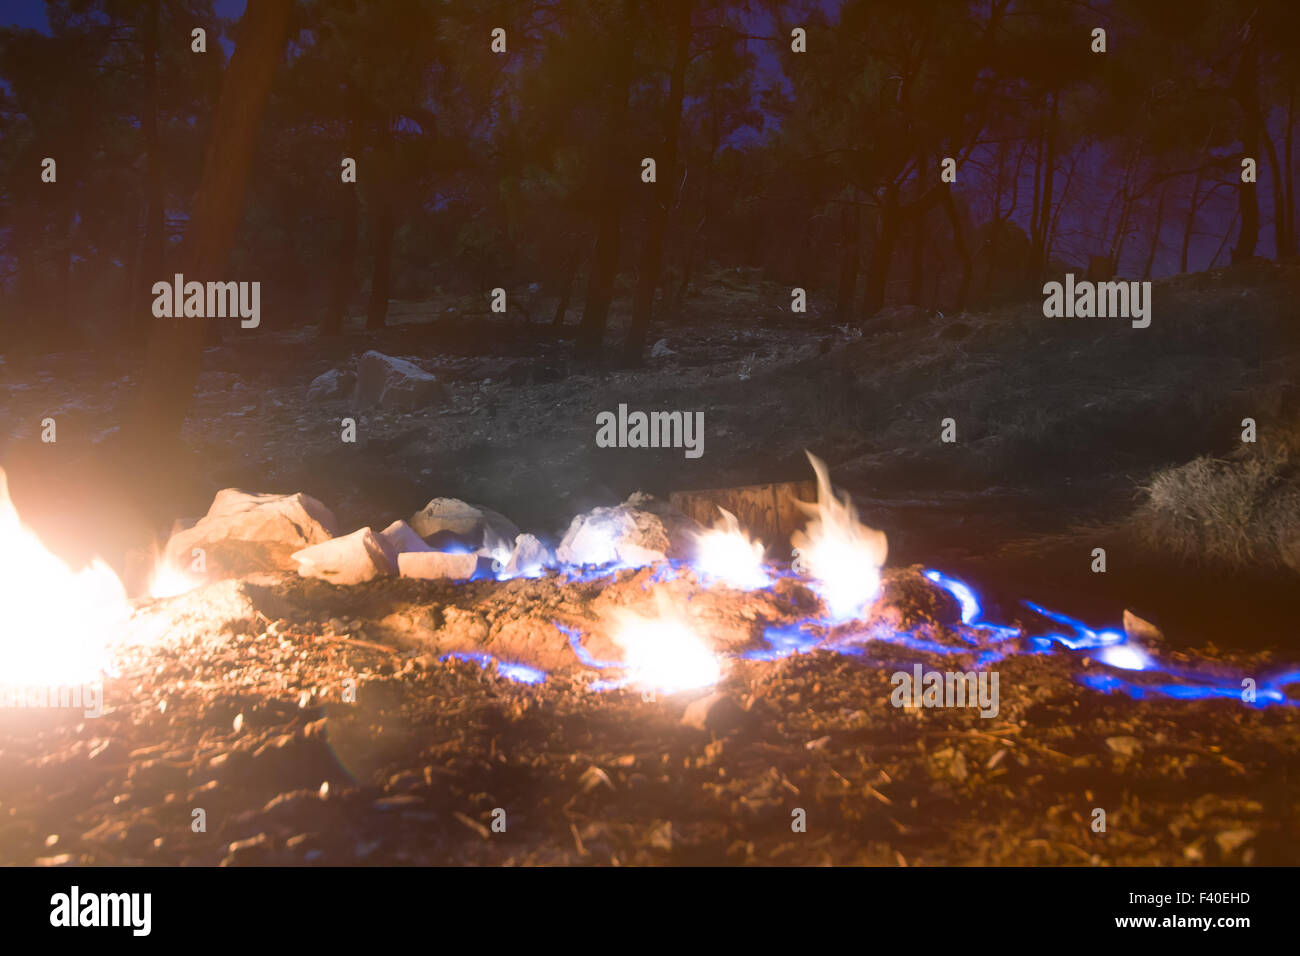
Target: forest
(590, 432)
(500, 145)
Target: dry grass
(1239, 511)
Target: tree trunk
(570, 276)
(1035, 242)
(1280, 238)
(176, 345)
(1045, 216)
(1247, 94)
(1155, 234)
(382, 226)
(916, 280)
(344, 279)
(1288, 170)
(688, 263)
(882, 254)
(850, 253)
(150, 262)
(963, 251)
(1190, 223)
(652, 253)
(604, 264)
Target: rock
(243, 533)
(434, 565)
(1143, 632)
(717, 713)
(255, 849)
(352, 559)
(528, 559)
(400, 538)
(661, 350)
(638, 532)
(480, 526)
(594, 777)
(1125, 746)
(959, 768)
(336, 383)
(393, 383)
(1230, 841)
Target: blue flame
(519, 673)
(989, 641)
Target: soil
(319, 725)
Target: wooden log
(767, 512)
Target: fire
(167, 582)
(842, 555)
(662, 653)
(58, 623)
(726, 553)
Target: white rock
(335, 383)
(393, 383)
(638, 532)
(528, 558)
(352, 559)
(243, 533)
(483, 527)
(661, 350)
(400, 538)
(433, 565)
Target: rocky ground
(244, 712)
(1059, 426)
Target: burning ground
(387, 721)
(241, 712)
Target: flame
(726, 553)
(168, 581)
(662, 653)
(58, 623)
(842, 555)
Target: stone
(1140, 631)
(400, 538)
(638, 532)
(661, 350)
(1125, 746)
(352, 559)
(480, 527)
(336, 383)
(389, 382)
(717, 713)
(528, 559)
(1230, 841)
(243, 533)
(436, 565)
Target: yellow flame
(662, 653)
(168, 581)
(842, 555)
(725, 552)
(56, 624)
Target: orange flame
(58, 623)
(842, 555)
(725, 552)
